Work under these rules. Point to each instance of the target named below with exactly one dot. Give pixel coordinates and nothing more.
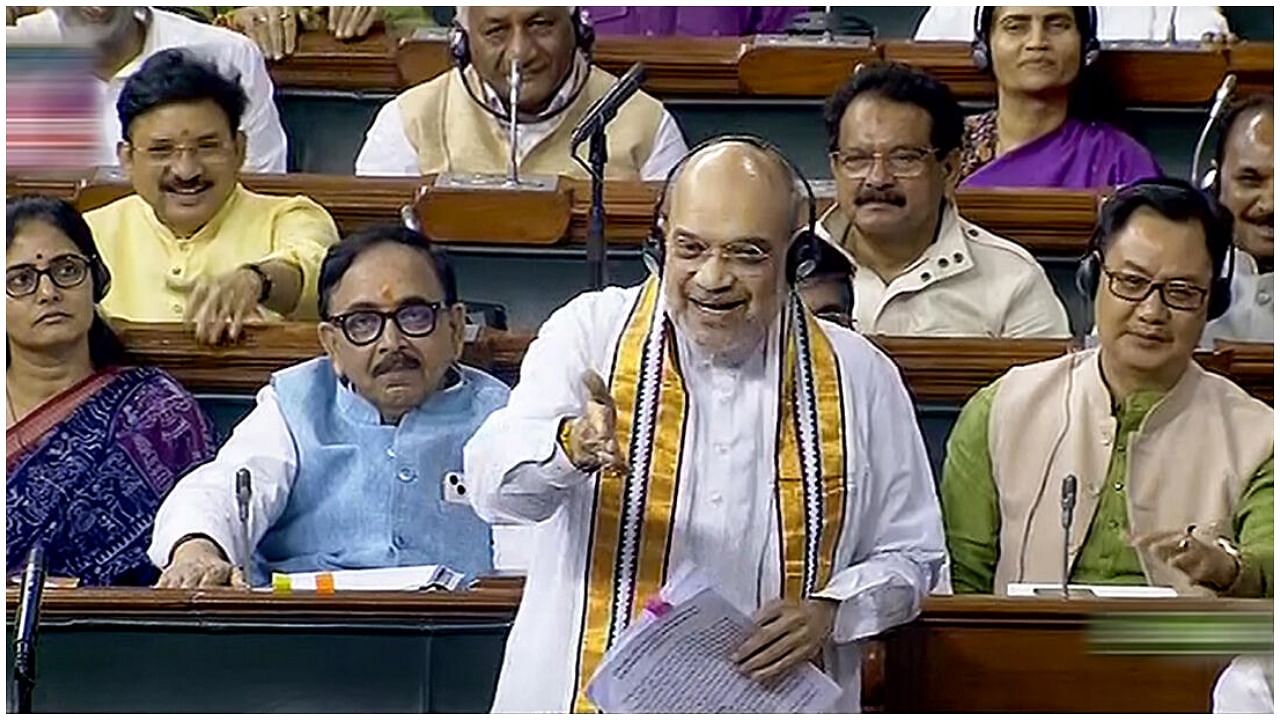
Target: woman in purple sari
(92, 448)
(1038, 136)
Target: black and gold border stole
(632, 516)
(811, 463)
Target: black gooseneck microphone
(28, 621)
(1068, 513)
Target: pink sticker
(657, 607)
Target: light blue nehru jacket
(370, 495)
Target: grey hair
(462, 17)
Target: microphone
(24, 645)
(1068, 512)
(244, 493)
(1220, 99)
(514, 80)
(602, 111)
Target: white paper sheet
(679, 663)
(411, 577)
(1101, 591)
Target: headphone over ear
(100, 276)
(1089, 271)
(980, 50)
(802, 253)
(584, 38)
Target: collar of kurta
(209, 230)
(947, 256)
(564, 96)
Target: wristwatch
(266, 282)
(1234, 552)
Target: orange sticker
(324, 584)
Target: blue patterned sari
(87, 472)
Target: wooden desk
(752, 68)
(936, 370)
(982, 654)
(140, 650)
(1047, 222)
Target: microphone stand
(1068, 513)
(597, 158)
(513, 104)
(27, 623)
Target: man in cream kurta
(456, 123)
(728, 325)
(969, 282)
(919, 268)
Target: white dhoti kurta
(888, 554)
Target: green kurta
(971, 510)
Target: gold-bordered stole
(632, 514)
(811, 463)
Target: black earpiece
(980, 50)
(802, 253)
(101, 278)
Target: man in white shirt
(921, 269)
(1116, 23)
(821, 522)
(354, 458)
(124, 37)
(457, 122)
(1245, 170)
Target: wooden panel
(1140, 76)
(811, 71)
(517, 216)
(323, 62)
(486, 603)
(983, 654)
(1254, 66)
(942, 370)
(1047, 222)
(675, 66)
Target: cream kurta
(969, 282)
(891, 548)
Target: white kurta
(890, 552)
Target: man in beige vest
(1175, 465)
(921, 269)
(457, 123)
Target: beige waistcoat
(453, 134)
(1188, 463)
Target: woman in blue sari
(92, 448)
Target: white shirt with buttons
(1252, 315)
(968, 283)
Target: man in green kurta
(1175, 465)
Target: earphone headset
(100, 276)
(1090, 48)
(1089, 272)
(802, 253)
(584, 38)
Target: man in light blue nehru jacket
(355, 457)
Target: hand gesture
(273, 27)
(197, 563)
(593, 442)
(787, 634)
(349, 22)
(1206, 564)
(219, 306)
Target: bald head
(737, 177)
(732, 210)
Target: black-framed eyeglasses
(413, 319)
(1177, 294)
(65, 271)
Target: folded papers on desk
(413, 577)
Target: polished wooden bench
(762, 67)
(936, 370)
(1047, 222)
